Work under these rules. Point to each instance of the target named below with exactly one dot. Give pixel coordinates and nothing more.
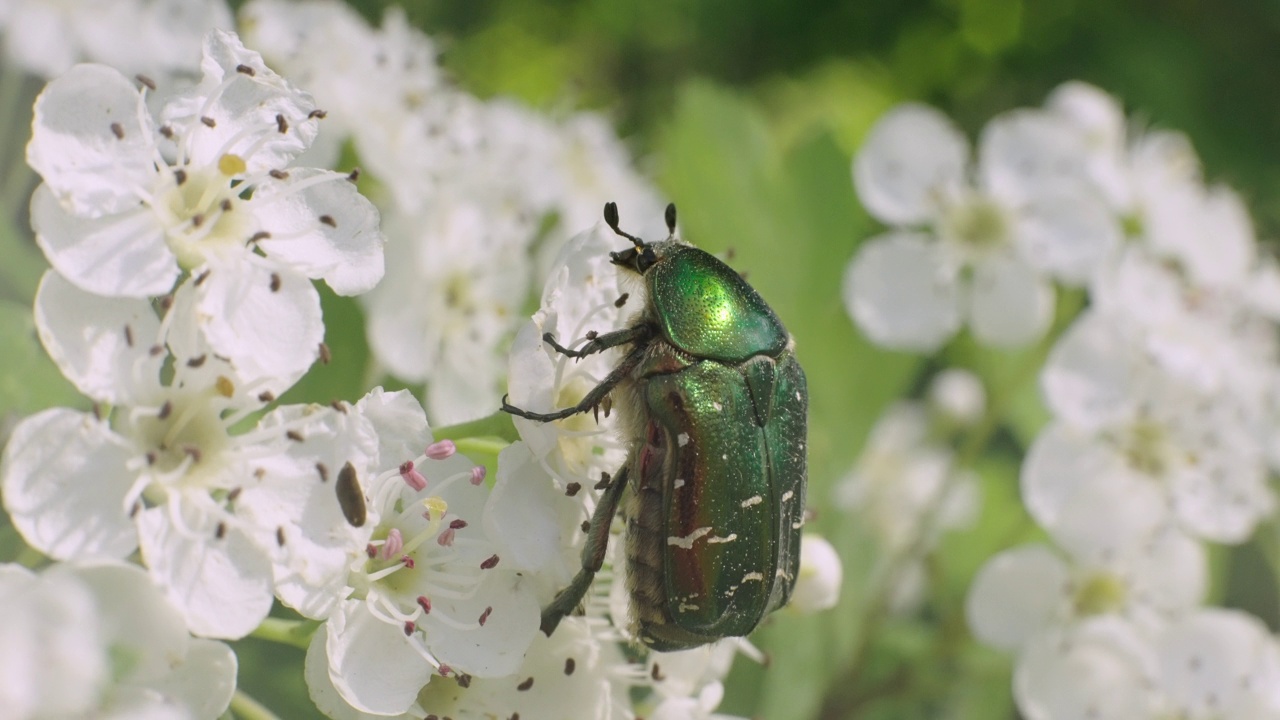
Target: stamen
(393, 545)
(441, 450)
(412, 477)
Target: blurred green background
(747, 113)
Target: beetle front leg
(592, 399)
(593, 553)
(600, 343)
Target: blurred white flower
(958, 394)
(151, 37)
(128, 203)
(972, 246)
(96, 639)
(818, 582)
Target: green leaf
(29, 380)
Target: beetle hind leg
(593, 553)
(600, 343)
(591, 400)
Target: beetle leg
(593, 553)
(600, 343)
(591, 399)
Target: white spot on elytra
(753, 576)
(718, 407)
(682, 439)
(679, 483)
(724, 457)
(729, 539)
(797, 525)
(687, 541)
(685, 607)
(797, 394)
(787, 495)
(753, 500)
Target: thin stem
(246, 708)
(296, 633)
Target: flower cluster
(475, 195)
(1161, 391)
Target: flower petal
(372, 664)
(1015, 595)
(222, 585)
(92, 141)
(497, 647)
(267, 322)
(912, 158)
(1009, 303)
(900, 294)
(118, 255)
(65, 479)
(1028, 153)
(1067, 236)
(102, 345)
(1100, 668)
(323, 227)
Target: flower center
(200, 209)
(1147, 447)
(184, 436)
(976, 225)
(1099, 594)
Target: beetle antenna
(671, 219)
(611, 217)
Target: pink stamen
(394, 544)
(412, 477)
(408, 561)
(477, 474)
(441, 450)
(425, 604)
(446, 537)
(409, 627)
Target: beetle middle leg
(593, 552)
(600, 343)
(592, 399)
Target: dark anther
(317, 113)
(325, 354)
(282, 125)
(234, 493)
(220, 531)
(118, 130)
(197, 220)
(278, 174)
(622, 300)
(354, 175)
(197, 361)
(179, 176)
(128, 336)
(148, 82)
(165, 410)
(586, 526)
(294, 435)
(528, 683)
(572, 489)
(245, 70)
(339, 406)
(208, 121)
(167, 132)
(489, 563)
(225, 205)
(280, 535)
(155, 350)
(275, 282)
(457, 524)
(260, 235)
(328, 220)
(569, 666)
(266, 396)
(323, 470)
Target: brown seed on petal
(328, 220)
(208, 121)
(282, 125)
(118, 130)
(275, 282)
(528, 683)
(294, 435)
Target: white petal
(912, 158)
(244, 108)
(320, 686)
(203, 681)
(1214, 659)
(102, 345)
(1067, 236)
(1109, 514)
(959, 395)
(818, 581)
(65, 480)
(1090, 379)
(1009, 303)
(89, 166)
(521, 512)
(345, 248)
(1225, 250)
(900, 294)
(267, 334)
(1027, 153)
(371, 663)
(1171, 572)
(1015, 595)
(399, 422)
(1059, 461)
(222, 586)
(121, 255)
(1100, 669)
(496, 648)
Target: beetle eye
(646, 260)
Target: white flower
(431, 596)
(958, 394)
(818, 582)
(457, 277)
(152, 37)
(129, 203)
(98, 639)
(163, 472)
(976, 250)
(1123, 419)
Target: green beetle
(714, 405)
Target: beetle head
(641, 257)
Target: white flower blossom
(975, 246)
(163, 472)
(130, 203)
(152, 37)
(96, 639)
